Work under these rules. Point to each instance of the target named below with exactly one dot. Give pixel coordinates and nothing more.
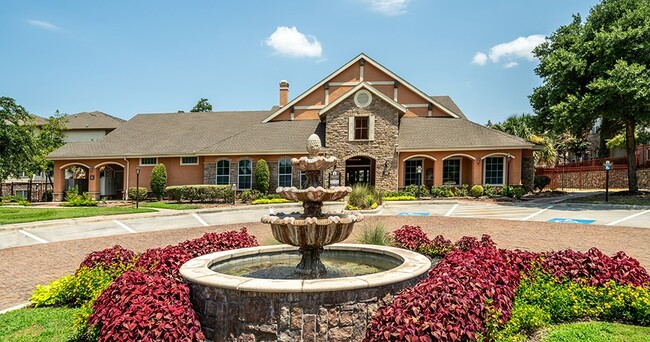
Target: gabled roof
(362, 85)
(164, 134)
(92, 120)
(431, 134)
(347, 65)
(449, 104)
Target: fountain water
(255, 294)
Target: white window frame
(460, 171)
(421, 160)
(503, 173)
(195, 163)
(284, 174)
(154, 164)
(239, 175)
(302, 176)
(216, 171)
(352, 127)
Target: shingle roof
(449, 104)
(92, 120)
(437, 133)
(270, 137)
(165, 134)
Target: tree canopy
(16, 137)
(599, 68)
(202, 106)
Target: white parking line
(452, 209)
(537, 213)
(127, 228)
(627, 218)
(198, 218)
(30, 235)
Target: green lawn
(165, 205)
(41, 324)
(597, 332)
(622, 197)
(19, 215)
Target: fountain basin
(339, 309)
(312, 194)
(311, 232)
(313, 163)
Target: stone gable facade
(382, 149)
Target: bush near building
(158, 180)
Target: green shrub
(417, 190)
(490, 191)
(541, 182)
(447, 192)
(200, 192)
(462, 191)
(54, 293)
(270, 201)
(262, 176)
(73, 199)
(363, 197)
(24, 203)
(507, 191)
(399, 198)
(142, 193)
(519, 192)
(476, 191)
(437, 191)
(375, 235)
(250, 195)
(158, 180)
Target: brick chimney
(284, 93)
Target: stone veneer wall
(596, 179)
(382, 149)
(337, 316)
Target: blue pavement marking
(568, 220)
(413, 214)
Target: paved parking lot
(64, 230)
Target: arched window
(285, 172)
(245, 175)
(223, 172)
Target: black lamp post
(137, 187)
(508, 158)
(607, 166)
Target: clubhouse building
(384, 131)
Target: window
(22, 174)
(24, 194)
(494, 169)
(284, 172)
(223, 172)
(148, 161)
(413, 172)
(245, 176)
(361, 128)
(189, 160)
(303, 179)
(362, 98)
(451, 172)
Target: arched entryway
(111, 180)
(76, 177)
(359, 170)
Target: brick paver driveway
(21, 268)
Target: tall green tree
(202, 106)
(158, 180)
(523, 125)
(16, 137)
(47, 138)
(262, 176)
(598, 69)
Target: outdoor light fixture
(234, 193)
(137, 187)
(386, 164)
(508, 158)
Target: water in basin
(283, 265)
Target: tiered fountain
(260, 294)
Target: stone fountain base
(233, 308)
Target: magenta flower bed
(476, 280)
(152, 303)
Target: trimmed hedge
(158, 180)
(201, 192)
(270, 201)
(142, 193)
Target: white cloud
(43, 25)
(479, 58)
(520, 48)
(389, 7)
(289, 41)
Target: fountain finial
(313, 145)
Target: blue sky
(130, 57)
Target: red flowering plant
(145, 307)
(109, 257)
(410, 237)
